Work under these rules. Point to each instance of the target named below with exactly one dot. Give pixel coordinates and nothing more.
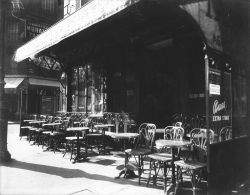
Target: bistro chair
(195, 169)
(225, 133)
(162, 159)
(59, 134)
(143, 147)
(45, 137)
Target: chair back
(147, 135)
(173, 133)
(225, 133)
(199, 141)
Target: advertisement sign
(214, 82)
(220, 100)
(33, 29)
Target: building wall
(24, 20)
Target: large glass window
(48, 7)
(89, 90)
(228, 104)
(12, 32)
(240, 105)
(220, 103)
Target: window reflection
(88, 89)
(240, 105)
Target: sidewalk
(34, 172)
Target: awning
(12, 83)
(92, 13)
(43, 82)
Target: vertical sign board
(32, 29)
(219, 100)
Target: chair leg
(66, 146)
(125, 164)
(165, 176)
(139, 168)
(193, 182)
(72, 149)
(149, 174)
(179, 176)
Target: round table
(124, 137)
(104, 128)
(78, 130)
(173, 144)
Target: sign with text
(214, 82)
(33, 29)
(220, 100)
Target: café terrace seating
(194, 169)
(143, 147)
(162, 159)
(71, 137)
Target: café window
(48, 7)
(88, 90)
(12, 32)
(220, 103)
(240, 105)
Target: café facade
(158, 59)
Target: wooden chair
(162, 159)
(194, 169)
(143, 147)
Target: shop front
(156, 60)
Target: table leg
(128, 173)
(173, 166)
(103, 150)
(78, 156)
(171, 188)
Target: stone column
(4, 154)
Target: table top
(104, 125)
(51, 124)
(96, 116)
(36, 122)
(159, 130)
(28, 120)
(171, 143)
(122, 135)
(77, 128)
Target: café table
(35, 124)
(124, 137)
(29, 120)
(173, 144)
(104, 127)
(51, 125)
(78, 156)
(51, 133)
